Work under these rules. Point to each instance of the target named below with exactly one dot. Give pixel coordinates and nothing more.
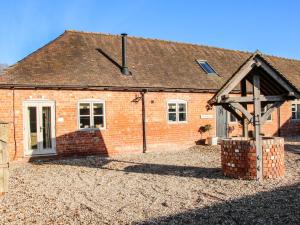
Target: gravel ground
(293, 144)
(184, 187)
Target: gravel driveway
(184, 187)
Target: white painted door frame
(39, 104)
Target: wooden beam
(244, 118)
(272, 98)
(271, 107)
(250, 99)
(265, 115)
(232, 110)
(292, 94)
(244, 111)
(257, 126)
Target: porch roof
(272, 81)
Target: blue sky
(272, 26)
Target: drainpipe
(144, 120)
(278, 122)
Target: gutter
(108, 88)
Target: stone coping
(265, 140)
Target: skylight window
(206, 67)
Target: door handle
(41, 129)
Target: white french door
(39, 127)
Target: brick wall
(288, 127)
(163, 135)
(123, 133)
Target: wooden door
(221, 121)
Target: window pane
(298, 115)
(182, 116)
(296, 111)
(32, 142)
(98, 108)
(84, 122)
(206, 67)
(46, 119)
(98, 121)
(84, 109)
(264, 110)
(172, 107)
(233, 118)
(182, 107)
(172, 116)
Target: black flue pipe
(124, 68)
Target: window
(91, 114)
(295, 111)
(264, 110)
(177, 111)
(232, 118)
(206, 67)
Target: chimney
(124, 68)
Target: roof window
(206, 67)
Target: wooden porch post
(257, 123)
(244, 121)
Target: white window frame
(177, 101)
(91, 102)
(294, 103)
(229, 118)
(264, 109)
(39, 103)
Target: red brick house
(76, 96)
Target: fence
(4, 158)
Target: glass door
(32, 128)
(39, 128)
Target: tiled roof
(86, 59)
